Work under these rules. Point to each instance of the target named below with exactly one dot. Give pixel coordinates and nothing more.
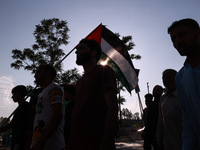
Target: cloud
(6, 85)
(7, 106)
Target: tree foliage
(69, 77)
(129, 44)
(121, 100)
(127, 114)
(136, 116)
(50, 35)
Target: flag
(115, 55)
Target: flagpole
(120, 112)
(148, 87)
(8, 118)
(65, 56)
(140, 104)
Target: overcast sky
(145, 20)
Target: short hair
(172, 71)
(93, 45)
(50, 68)
(148, 96)
(156, 87)
(21, 89)
(184, 22)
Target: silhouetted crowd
(84, 116)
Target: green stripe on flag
(122, 63)
(119, 75)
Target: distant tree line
(127, 114)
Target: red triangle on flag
(96, 34)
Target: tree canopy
(50, 35)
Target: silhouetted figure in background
(169, 128)
(19, 123)
(69, 96)
(152, 119)
(94, 118)
(148, 99)
(48, 131)
(185, 36)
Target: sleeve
(56, 95)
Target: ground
(128, 139)
(137, 145)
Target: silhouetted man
(169, 128)
(152, 119)
(20, 122)
(185, 36)
(48, 130)
(94, 118)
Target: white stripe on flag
(122, 63)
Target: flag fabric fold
(115, 55)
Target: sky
(145, 20)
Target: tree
(127, 114)
(72, 77)
(129, 44)
(136, 116)
(50, 35)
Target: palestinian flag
(115, 55)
